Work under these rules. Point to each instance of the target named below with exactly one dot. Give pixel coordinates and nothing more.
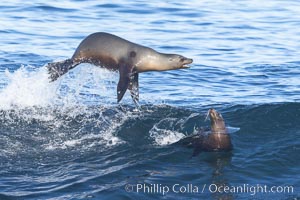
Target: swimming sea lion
(115, 53)
(216, 139)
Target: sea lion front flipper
(134, 88)
(125, 73)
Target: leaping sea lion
(115, 53)
(216, 139)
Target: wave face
(101, 149)
(69, 139)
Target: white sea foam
(30, 95)
(85, 85)
(163, 136)
(26, 88)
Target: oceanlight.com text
(164, 189)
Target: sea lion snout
(179, 61)
(185, 61)
(214, 115)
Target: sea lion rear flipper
(125, 73)
(134, 88)
(57, 69)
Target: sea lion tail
(57, 69)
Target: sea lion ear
(125, 73)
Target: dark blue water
(70, 139)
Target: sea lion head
(176, 61)
(218, 139)
(217, 122)
(148, 59)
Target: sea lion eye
(182, 59)
(132, 54)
